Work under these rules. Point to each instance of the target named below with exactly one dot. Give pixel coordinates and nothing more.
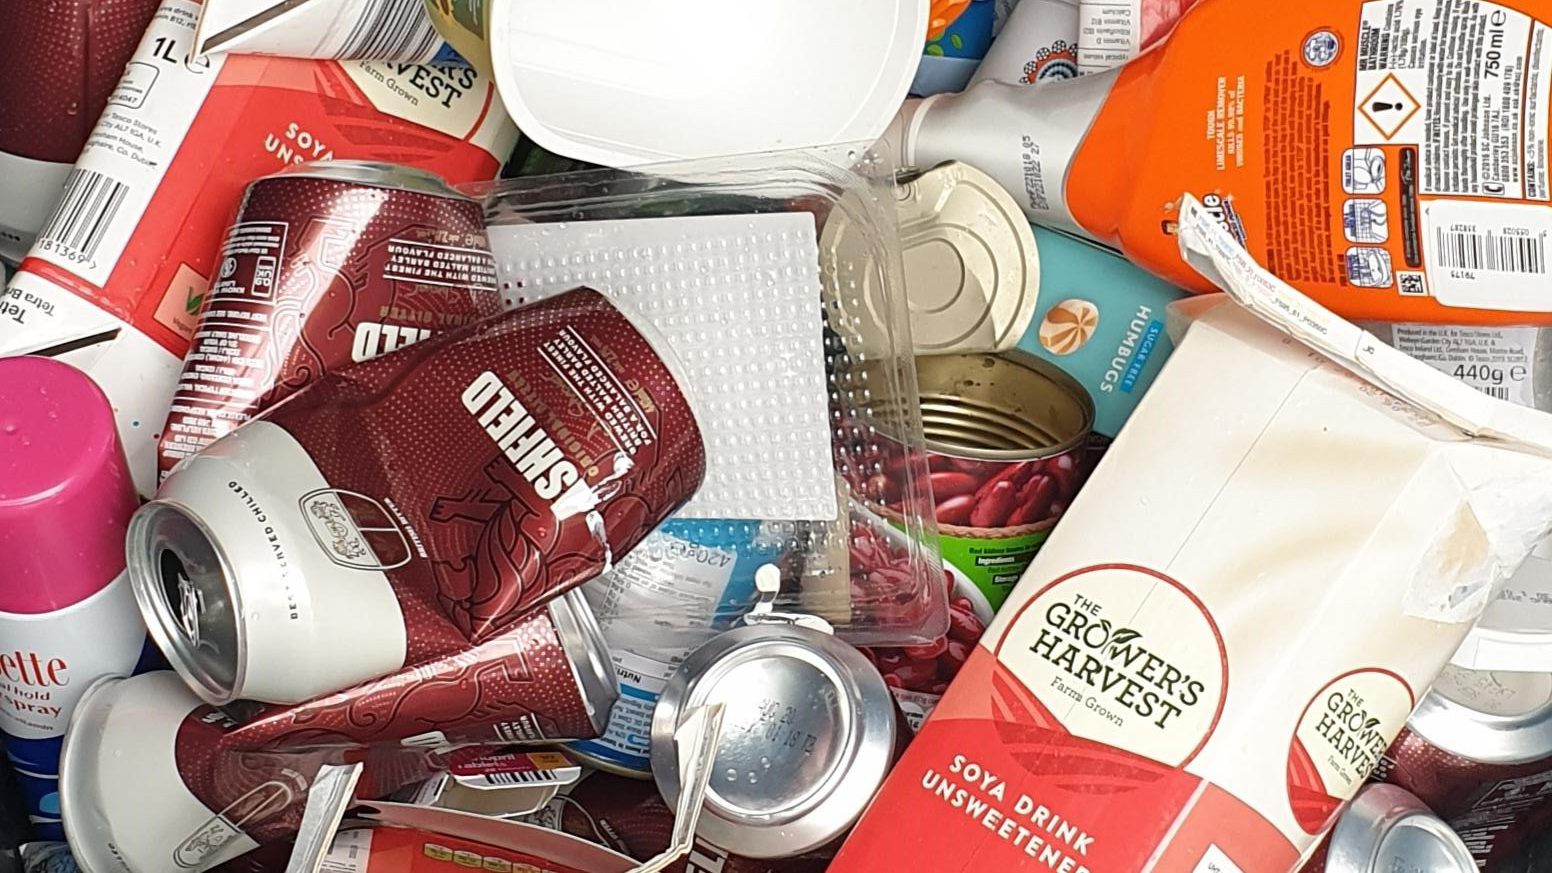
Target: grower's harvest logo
(1340, 739)
(1122, 655)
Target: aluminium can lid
(809, 733)
(185, 587)
(1386, 828)
(1491, 717)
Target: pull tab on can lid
(1387, 828)
(810, 733)
(65, 489)
(1490, 717)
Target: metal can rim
(145, 582)
(1378, 811)
(587, 655)
(86, 724)
(1039, 367)
(1483, 737)
(376, 174)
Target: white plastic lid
(621, 82)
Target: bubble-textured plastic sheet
(735, 296)
(871, 567)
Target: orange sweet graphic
(944, 13)
(1068, 326)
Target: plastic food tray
(832, 567)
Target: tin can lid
(377, 174)
(588, 653)
(184, 586)
(972, 268)
(65, 488)
(809, 733)
(1386, 828)
(1492, 717)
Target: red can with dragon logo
(415, 505)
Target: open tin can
(1007, 441)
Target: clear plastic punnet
(801, 374)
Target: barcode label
(1495, 253)
(84, 214)
(1499, 391)
(522, 777)
(392, 30)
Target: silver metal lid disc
(808, 736)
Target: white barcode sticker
(1489, 255)
(1498, 361)
(126, 157)
(87, 209)
(391, 30)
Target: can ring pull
(767, 583)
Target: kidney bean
(1005, 474)
(978, 469)
(1064, 469)
(946, 484)
(918, 675)
(893, 681)
(994, 508)
(1034, 501)
(956, 510)
(938, 688)
(958, 653)
(883, 488)
(963, 626)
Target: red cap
(65, 489)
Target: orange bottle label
(1388, 157)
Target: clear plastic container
(876, 580)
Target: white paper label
(47, 661)
(668, 584)
(1109, 33)
(1494, 360)
(1215, 861)
(1489, 255)
(349, 853)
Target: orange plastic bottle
(1387, 157)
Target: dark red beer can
(327, 264)
(409, 507)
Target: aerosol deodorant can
(67, 614)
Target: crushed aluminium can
(408, 507)
(548, 678)
(148, 784)
(1478, 751)
(327, 264)
(1387, 830)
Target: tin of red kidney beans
(58, 64)
(327, 263)
(148, 783)
(809, 733)
(1386, 830)
(1478, 751)
(629, 816)
(1007, 440)
(548, 678)
(405, 508)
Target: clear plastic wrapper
(863, 355)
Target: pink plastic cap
(65, 490)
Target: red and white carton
(120, 270)
(1233, 621)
